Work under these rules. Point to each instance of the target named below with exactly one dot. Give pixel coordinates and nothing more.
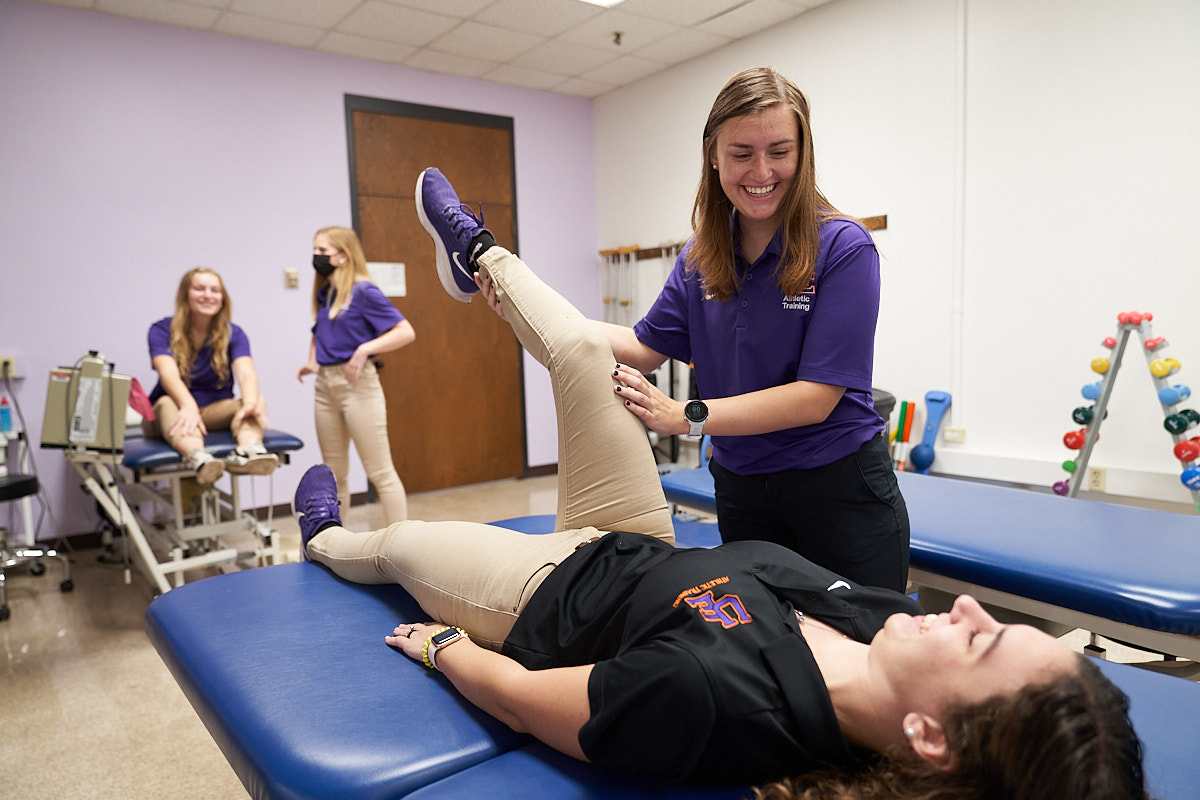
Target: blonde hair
(711, 252)
(219, 330)
(344, 277)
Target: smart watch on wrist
(696, 413)
(442, 639)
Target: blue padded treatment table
(1127, 573)
(287, 668)
(143, 453)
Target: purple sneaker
(315, 504)
(453, 227)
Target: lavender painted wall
(134, 151)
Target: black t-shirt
(701, 672)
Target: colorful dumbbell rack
(1183, 425)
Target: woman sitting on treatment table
(741, 664)
(197, 353)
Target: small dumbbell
(1069, 465)
(1061, 487)
(1156, 342)
(1109, 342)
(1188, 449)
(1100, 365)
(1074, 440)
(1170, 395)
(1091, 391)
(1160, 367)
(1191, 478)
(1178, 423)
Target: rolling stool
(14, 487)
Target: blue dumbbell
(1170, 395)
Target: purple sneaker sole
(438, 208)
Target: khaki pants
(357, 412)
(479, 577)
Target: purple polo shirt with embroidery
(760, 338)
(368, 315)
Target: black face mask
(322, 265)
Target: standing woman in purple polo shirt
(197, 353)
(774, 301)
(354, 323)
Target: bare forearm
(778, 408)
(627, 348)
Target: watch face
(445, 636)
(695, 411)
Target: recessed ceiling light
(602, 3)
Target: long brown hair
(1058, 741)
(345, 276)
(752, 91)
(219, 329)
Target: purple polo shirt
(760, 338)
(205, 386)
(368, 315)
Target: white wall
(1035, 164)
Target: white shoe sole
(445, 268)
(262, 464)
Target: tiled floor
(87, 708)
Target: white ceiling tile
(447, 64)
(625, 69)
(485, 41)
(679, 12)
(543, 17)
(378, 20)
(358, 47)
(181, 14)
(582, 88)
(682, 46)
(268, 30)
(564, 46)
(528, 78)
(462, 9)
(561, 58)
(316, 13)
(755, 16)
(636, 32)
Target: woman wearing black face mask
(354, 322)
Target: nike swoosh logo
(458, 264)
(838, 585)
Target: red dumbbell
(1074, 440)
(1156, 342)
(1109, 342)
(1188, 450)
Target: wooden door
(454, 396)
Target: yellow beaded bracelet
(428, 655)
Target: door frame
(354, 102)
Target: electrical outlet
(958, 435)
(8, 366)
(1096, 479)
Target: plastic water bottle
(5, 416)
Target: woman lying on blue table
(742, 664)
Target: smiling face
(963, 657)
(205, 296)
(757, 156)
